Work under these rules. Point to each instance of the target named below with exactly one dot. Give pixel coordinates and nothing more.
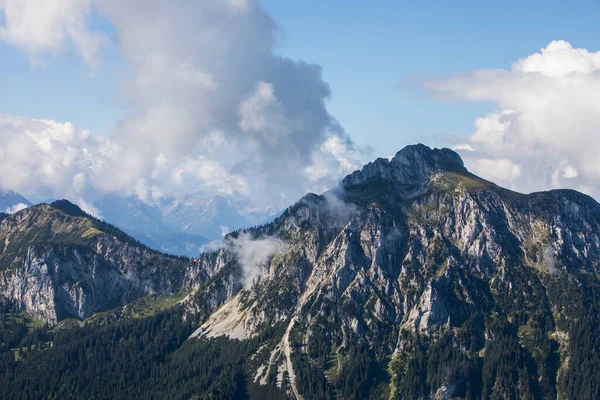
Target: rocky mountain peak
(58, 262)
(68, 208)
(413, 165)
(422, 156)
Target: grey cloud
(212, 106)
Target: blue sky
(191, 96)
(367, 52)
(368, 55)
(63, 88)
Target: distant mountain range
(180, 226)
(11, 201)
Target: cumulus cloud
(261, 113)
(48, 157)
(50, 27)
(16, 208)
(335, 157)
(501, 171)
(254, 254)
(212, 107)
(544, 133)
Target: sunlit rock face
(57, 262)
(412, 247)
(404, 254)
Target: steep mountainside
(414, 279)
(57, 262)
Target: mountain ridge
(58, 261)
(413, 279)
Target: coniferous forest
(152, 358)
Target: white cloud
(262, 113)
(544, 133)
(16, 208)
(207, 88)
(211, 175)
(254, 253)
(88, 207)
(212, 107)
(559, 58)
(501, 171)
(142, 190)
(43, 27)
(340, 211)
(466, 147)
(335, 157)
(47, 157)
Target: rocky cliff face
(413, 279)
(57, 262)
(408, 253)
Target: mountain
(56, 262)
(145, 223)
(11, 201)
(212, 216)
(413, 279)
(176, 243)
(180, 226)
(129, 213)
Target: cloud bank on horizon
(212, 107)
(545, 131)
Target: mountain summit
(413, 279)
(410, 166)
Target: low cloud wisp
(16, 208)
(254, 254)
